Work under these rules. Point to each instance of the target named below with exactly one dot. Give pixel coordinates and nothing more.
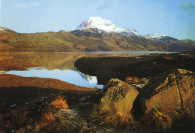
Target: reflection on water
(56, 65)
(68, 75)
(24, 60)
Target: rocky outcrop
(163, 100)
(117, 103)
(166, 97)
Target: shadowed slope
(106, 68)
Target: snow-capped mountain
(96, 26)
(104, 25)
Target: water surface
(68, 75)
(57, 65)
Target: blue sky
(171, 17)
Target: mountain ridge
(91, 37)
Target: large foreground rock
(117, 103)
(167, 96)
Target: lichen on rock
(117, 103)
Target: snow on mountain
(154, 36)
(161, 38)
(100, 25)
(104, 25)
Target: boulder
(117, 103)
(166, 96)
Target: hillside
(95, 34)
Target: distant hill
(95, 34)
(5, 30)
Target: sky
(175, 18)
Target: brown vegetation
(46, 119)
(60, 102)
(8, 81)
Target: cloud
(188, 5)
(27, 4)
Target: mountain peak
(102, 24)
